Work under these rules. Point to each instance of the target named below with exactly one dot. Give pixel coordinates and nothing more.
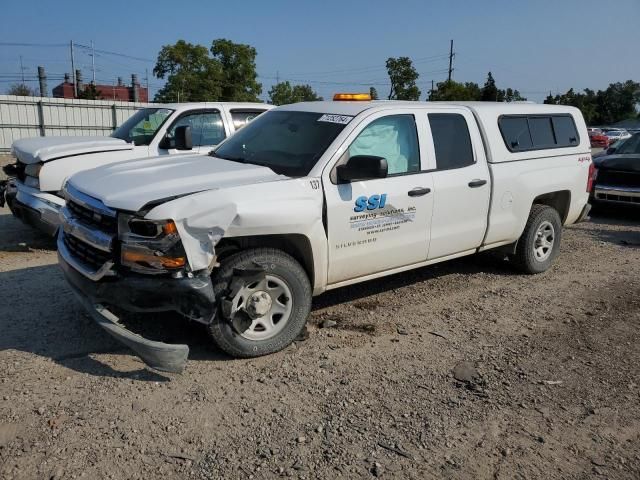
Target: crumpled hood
(132, 185)
(44, 149)
(628, 163)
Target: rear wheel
(264, 311)
(539, 244)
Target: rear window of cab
(522, 133)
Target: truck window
(538, 132)
(515, 131)
(451, 140)
(142, 126)
(287, 142)
(241, 117)
(206, 128)
(395, 138)
(541, 132)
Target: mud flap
(239, 318)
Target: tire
(287, 274)
(531, 255)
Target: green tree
(283, 93)
(403, 76)
(239, 76)
(373, 93)
(455, 91)
(89, 93)
(510, 95)
(490, 92)
(21, 90)
(192, 75)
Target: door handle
(477, 183)
(418, 191)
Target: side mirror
(182, 138)
(362, 167)
(611, 150)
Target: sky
(535, 46)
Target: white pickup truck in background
(44, 163)
(314, 196)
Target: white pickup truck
(314, 196)
(34, 193)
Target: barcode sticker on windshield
(343, 119)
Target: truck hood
(44, 149)
(132, 185)
(626, 163)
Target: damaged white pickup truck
(33, 191)
(311, 197)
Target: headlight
(149, 246)
(33, 170)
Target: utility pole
(93, 62)
(73, 72)
(450, 60)
(277, 77)
(146, 78)
(22, 70)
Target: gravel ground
(460, 370)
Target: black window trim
(435, 157)
(538, 115)
(187, 113)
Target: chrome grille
(84, 252)
(91, 217)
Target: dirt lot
(552, 392)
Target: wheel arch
(295, 244)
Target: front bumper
(617, 194)
(35, 208)
(192, 297)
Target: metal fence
(22, 117)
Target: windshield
(630, 146)
(142, 126)
(289, 143)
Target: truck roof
(192, 105)
(487, 108)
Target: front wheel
(539, 244)
(266, 309)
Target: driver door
(383, 223)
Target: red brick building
(118, 91)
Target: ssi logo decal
(370, 203)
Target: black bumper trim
(188, 296)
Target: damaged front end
(115, 259)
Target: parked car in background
(611, 149)
(598, 139)
(618, 174)
(615, 135)
(43, 164)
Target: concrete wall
(22, 117)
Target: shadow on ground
(604, 216)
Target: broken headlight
(149, 246)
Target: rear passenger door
(461, 183)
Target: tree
(239, 74)
(90, 93)
(192, 76)
(511, 95)
(403, 78)
(373, 93)
(21, 90)
(618, 102)
(490, 92)
(455, 91)
(283, 93)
